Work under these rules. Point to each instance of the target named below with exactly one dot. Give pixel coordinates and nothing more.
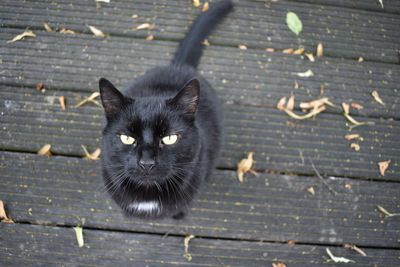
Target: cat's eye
(127, 140)
(170, 139)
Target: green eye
(170, 139)
(127, 140)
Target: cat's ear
(188, 97)
(111, 98)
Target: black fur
(173, 99)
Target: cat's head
(148, 139)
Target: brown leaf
(320, 50)
(298, 51)
(316, 103)
(61, 99)
(290, 103)
(311, 114)
(244, 166)
(26, 33)
(291, 242)
(45, 150)
(206, 6)
(47, 27)
(350, 137)
(3, 214)
(196, 3)
(66, 31)
(346, 108)
(383, 165)
(89, 99)
(96, 31)
(40, 87)
(281, 103)
(288, 51)
(270, 50)
(355, 146)
(92, 156)
(310, 57)
(278, 264)
(356, 106)
(355, 248)
(242, 47)
(150, 37)
(377, 98)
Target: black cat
(163, 134)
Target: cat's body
(163, 135)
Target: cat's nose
(147, 164)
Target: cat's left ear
(188, 97)
(111, 98)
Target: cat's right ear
(111, 98)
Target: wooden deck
(234, 224)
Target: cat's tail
(190, 49)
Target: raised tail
(190, 49)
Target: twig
(322, 178)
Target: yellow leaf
(21, 36)
(244, 166)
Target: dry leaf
(383, 165)
(338, 259)
(356, 106)
(206, 6)
(278, 264)
(93, 156)
(291, 242)
(186, 241)
(47, 27)
(135, 16)
(40, 87)
(360, 59)
(288, 51)
(196, 3)
(316, 103)
(21, 36)
(61, 99)
(386, 213)
(206, 42)
(350, 137)
(311, 190)
(244, 166)
(145, 26)
(355, 146)
(103, 1)
(89, 99)
(79, 235)
(270, 49)
(242, 47)
(290, 103)
(308, 73)
(66, 31)
(96, 31)
(296, 84)
(347, 186)
(346, 108)
(311, 114)
(355, 248)
(377, 98)
(381, 3)
(310, 57)
(320, 50)
(298, 51)
(45, 150)
(281, 103)
(150, 37)
(3, 214)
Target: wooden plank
(55, 246)
(345, 32)
(31, 119)
(248, 77)
(63, 190)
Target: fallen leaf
(360, 59)
(270, 50)
(150, 37)
(291, 242)
(47, 27)
(21, 36)
(45, 150)
(281, 103)
(350, 137)
(288, 51)
(61, 99)
(278, 264)
(381, 2)
(310, 57)
(298, 51)
(355, 146)
(89, 99)
(145, 26)
(320, 50)
(40, 87)
(347, 186)
(356, 106)
(386, 213)
(346, 108)
(355, 248)
(242, 47)
(206, 42)
(206, 6)
(103, 1)
(3, 215)
(244, 166)
(383, 165)
(92, 156)
(377, 98)
(296, 84)
(186, 241)
(294, 23)
(96, 31)
(196, 3)
(290, 103)
(338, 259)
(79, 235)
(308, 73)
(135, 16)
(66, 31)
(316, 103)
(311, 190)
(311, 114)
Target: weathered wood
(389, 6)
(55, 246)
(258, 24)
(250, 77)
(60, 190)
